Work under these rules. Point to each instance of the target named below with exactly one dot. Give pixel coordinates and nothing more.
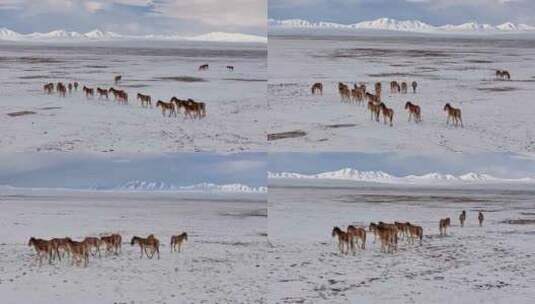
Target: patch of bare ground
(246, 79)
(519, 222)
(498, 89)
(479, 61)
(34, 77)
(284, 135)
(181, 78)
(336, 126)
(50, 108)
(21, 113)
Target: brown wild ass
(462, 218)
(150, 243)
(454, 114)
(414, 112)
(443, 225)
(480, 218)
(42, 249)
(317, 88)
(343, 240)
(166, 106)
(404, 88)
(79, 252)
(146, 100)
(388, 114)
(177, 240)
(102, 93)
(356, 234)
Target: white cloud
(93, 7)
(217, 12)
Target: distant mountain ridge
(388, 24)
(99, 35)
(202, 187)
(349, 174)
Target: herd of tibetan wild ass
(191, 108)
(389, 233)
(79, 252)
(376, 106)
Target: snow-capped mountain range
(202, 187)
(388, 24)
(98, 35)
(348, 174)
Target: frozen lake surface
(498, 115)
(223, 261)
(490, 264)
(235, 100)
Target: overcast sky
(70, 170)
(435, 12)
(135, 16)
(505, 165)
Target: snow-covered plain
(223, 261)
(459, 70)
(490, 264)
(235, 101)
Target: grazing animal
(415, 232)
(89, 92)
(150, 243)
(343, 239)
(373, 228)
(102, 93)
(112, 242)
(503, 74)
(76, 86)
(454, 114)
(203, 67)
(48, 88)
(119, 95)
(93, 242)
(395, 87)
(403, 229)
(42, 248)
(62, 89)
(146, 100)
(166, 106)
(414, 86)
(60, 245)
(462, 218)
(177, 240)
(378, 90)
(375, 110)
(356, 234)
(443, 225)
(373, 98)
(388, 114)
(117, 79)
(79, 252)
(317, 87)
(345, 92)
(480, 218)
(192, 109)
(230, 68)
(388, 236)
(414, 112)
(404, 88)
